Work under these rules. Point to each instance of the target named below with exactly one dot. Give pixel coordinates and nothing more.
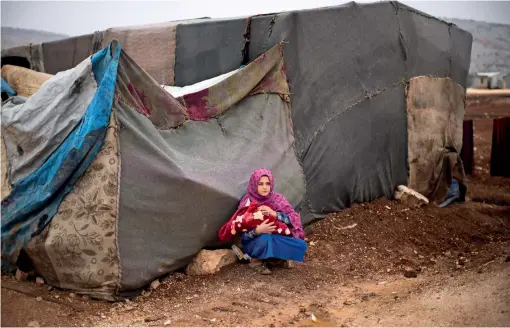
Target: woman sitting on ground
(260, 244)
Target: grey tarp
(208, 49)
(64, 54)
(33, 133)
(347, 68)
(179, 185)
(32, 53)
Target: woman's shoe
(288, 264)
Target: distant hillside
(12, 37)
(491, 45)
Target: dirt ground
(353, 275)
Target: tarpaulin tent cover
(185, 165)
(347, 67)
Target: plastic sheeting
(179, 185)
(32, 134)
(340, 61)
(208, 49)
(65, 54)
(35, 199)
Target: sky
(83, 17)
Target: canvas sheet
(36, 57)
(207, 49)
(179, 185)
(150, 46)
(334, 73)
(32, 53)
(34, 128)
(35, 199)
(65, 54)
(435, 111)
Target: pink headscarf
(274, 200)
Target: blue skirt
(275, 246)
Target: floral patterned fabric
(78, 249)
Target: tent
(118, 180)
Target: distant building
(488, 80)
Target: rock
(21, 275)
(178, 276)
(154, 318)
(145, 293)
(168, 322)
(85, 297)
(33, 324)
(410, 273)
(38, 298)
(49, 288)
(507, 258)
(155, 284)
(349, 302)
(103, 316)
(410, 197)
(210, 262)
(366, 297)
(72, 295)
(39, 280)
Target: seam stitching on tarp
(119, 168)
(270, 32)
(338, 114)
(402, 41)
(245, 52)
(451, 49)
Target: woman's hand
(266, 210)
(265, 227)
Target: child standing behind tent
(260, 244)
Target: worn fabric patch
(78, 249)
(435, 113)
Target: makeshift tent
(170, 170)
(182, 174)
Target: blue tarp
(7, 89)
(34, 200)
